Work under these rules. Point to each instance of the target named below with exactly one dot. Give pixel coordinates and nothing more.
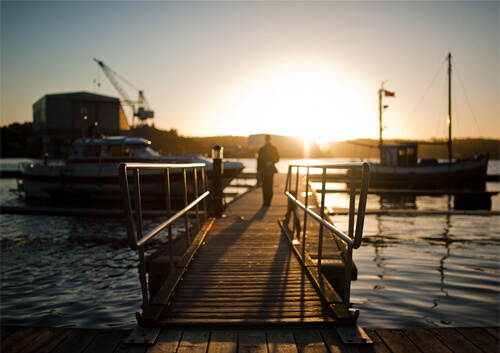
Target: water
(412, 271)
(428, 271)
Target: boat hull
(83, 184)
(469, 173)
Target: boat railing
(19, 177)
(130, 176)
(352, 239)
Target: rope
(470, 105)
(457, 113)
(422, 99)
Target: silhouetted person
(268, 155)
(94, 131)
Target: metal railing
(129, 173)
(354, 235)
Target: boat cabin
(113, 147)
(404, 155)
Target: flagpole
(449, 107)
(380, 109)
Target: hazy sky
(310, 69)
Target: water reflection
(379, 245)
(399, 259)
(398, 202)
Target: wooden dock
(245, 273)
(313, 340)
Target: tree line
(17, 141)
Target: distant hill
(16, 141)
(169, 142)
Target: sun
(303, 101)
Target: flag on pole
(389, 94)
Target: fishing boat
(90, 173)
(400, 167)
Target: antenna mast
(380, 110)
(449, 107)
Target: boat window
(151, 151)
(140, 149)
(402, 152)
(412, 156)
(91, 151)
(117, 151)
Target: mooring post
(217, 155)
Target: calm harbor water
(412, 271)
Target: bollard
(217, 155)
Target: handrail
(161, 171)
(355, 233)
(168, 222)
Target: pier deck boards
(314, 340)
(245, 273)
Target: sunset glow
(309, 69)
(299, 101)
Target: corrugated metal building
(58, 119)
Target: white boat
(90, 173)
(400, 167)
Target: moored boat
(90, 173)
(400, 167)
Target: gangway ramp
(245, 273)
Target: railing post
(320, 239)
(186, 216)
(288, 177)
(304, 227)
(127, 206)
(195, 170)
(204, 182)
(347, 285)
(138, 205)
(294, 210)
(169, 214)
(143, 278)
(352, 210)
(352, 203)
(140, 234)
(217, 155)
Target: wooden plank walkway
(245, 273)
(315, 340)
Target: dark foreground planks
(325, 340)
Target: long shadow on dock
(246, 274)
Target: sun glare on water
(301, 102)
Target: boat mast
(449, 107)
(380, 109)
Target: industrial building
(58, 119)
(288, 146)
